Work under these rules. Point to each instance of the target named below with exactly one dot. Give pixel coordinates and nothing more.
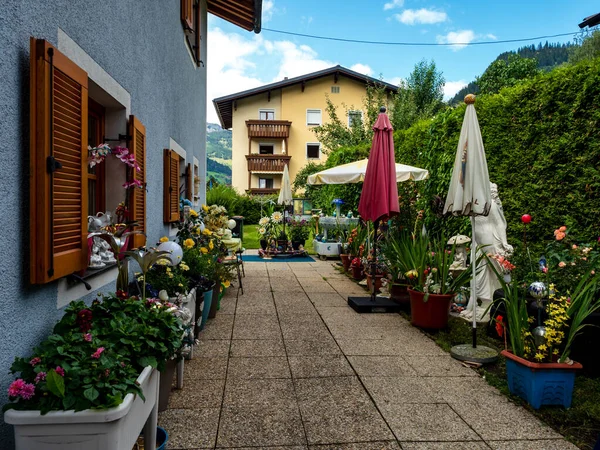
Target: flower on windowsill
(163, 239)
(133, 183)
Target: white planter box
(110, 429)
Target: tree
(589, 48)
(505, 73)
(427, 87)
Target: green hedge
(542, 141)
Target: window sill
(92, 273)
(67, 291)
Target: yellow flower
(542, 348)
(539, 356)
(204, 208)
(211, 245)
(196, 229)
(164, 239)
(180, 285)
(204, 250)
(207, 232)
(168, 269)
(530, 320)
(555, 351)
(184, 266)
(227, 283)
(189, 243)
(193, 213)
(170, 274)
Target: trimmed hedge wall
(542, 142)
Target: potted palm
(398, 256)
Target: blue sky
(238, 60)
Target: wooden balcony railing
(263, 191)
(268, 128)
(267, 163)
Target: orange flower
(561, 264)
(560, 236)
(562, 229)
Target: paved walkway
(288, 365)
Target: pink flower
(561, 264)
(35, 361)
(28, 391)
(134, 183)
(40, 377)
(545, 269)
(59, 370)
(97, 353)
(574, 247)
(15, 388)
(87, 337)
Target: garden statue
(460, 251)
(490, 231)
(95, 258)
(105, 251)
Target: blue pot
(206, 307)
(540, 383)
(162, 436)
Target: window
(313, 117)
(190, 19)
(335, 89)
(266, 149)
(265, 183)
(354, 118)
(313, 151)
(266, 114)
(171, 186)
(96, 191)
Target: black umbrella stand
(373, 303)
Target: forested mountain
(218, 153)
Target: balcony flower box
(116, 428)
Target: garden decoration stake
(470, 195)
(378, 201)
(285, 193)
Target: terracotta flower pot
(345, 261)
(357, 272)
(377, 282)
(431, 314)
(399, 293)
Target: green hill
(218, 153)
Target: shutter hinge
(52, 164)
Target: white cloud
(458, 38)
(415, 16)
(393, 4)
(395, 81)
(362, 68)
(267, 10)
(452, 87)
(491, 36)
(297, 60)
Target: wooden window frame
(171, 186)
(137, 197)
(266, 112)
(266, 144)
(192, 27)
(98, 111)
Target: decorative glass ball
(231, 224)
(538, 290)
(175, 250)
(539, 335)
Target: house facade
(272, 126)
(82, 73)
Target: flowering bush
(162, 276)
(299, 229)
(215, 217)
(95, 354)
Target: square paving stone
(427, 422)
(198, 394)
(390, 445)
(548, 444)
(190, 428)
(262, 308)
(367, 347)
(461, 389)
(257, 347)
(311, 348)
(260, 427)
(439, 366)
(320, 366)
(496, 418)
(228, 307)
(262, 393)
(304, 331)
(319, 287)
(327, 299)
(390, 391)
(212, 347)
(283, 288)
(381, 366)
(278, 447)
(343, 331)
(205, 368)
(256, 326)
(468, 445)
(218, 329)
(259, 367)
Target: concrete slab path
(288, 365)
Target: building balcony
(267, 163)
(268, 128)
(263, 191)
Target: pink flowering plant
(95, 354)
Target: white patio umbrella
(285, 192)
(469, 193)
(354, 172)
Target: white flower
(262, 230)
(263, 221)
(277, 217)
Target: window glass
(313, 151)
(266, 114)
(96, 173)
(335, 89)
(265, 149)
(265, 183)
(354, 118)
(313, 117)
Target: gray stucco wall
(140, 44)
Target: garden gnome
(490, 231)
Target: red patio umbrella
(378, 200)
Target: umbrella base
(480, 354)
(380, 305)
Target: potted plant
(538, 366)
(397, 252)
(299, 231)
(357, 268)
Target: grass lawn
(251, 239)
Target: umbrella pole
(374, 263)
(474, 282)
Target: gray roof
(224, 105)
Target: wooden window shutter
(171, 189)
(197, 33)
(189, 185)
(137, 197)
(187, 14)
(58, 164)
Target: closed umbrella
(285, 192)
(378, 200)
(469, 193)
(354, 172)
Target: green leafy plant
(299, 229)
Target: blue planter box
(540, 383)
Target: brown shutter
(189, 185)
(171, 187)
(187, 17)
(197, 33)
(137, 197)
(58, 132)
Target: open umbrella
(354, 172)
(378, 200)
(285, 192)
(470, 195)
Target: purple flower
(35, 361)
(28, 391)
(87, 337)
(40, 377)
(19, 388)
(59, 370)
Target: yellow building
(273, 125)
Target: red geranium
(84, 320)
